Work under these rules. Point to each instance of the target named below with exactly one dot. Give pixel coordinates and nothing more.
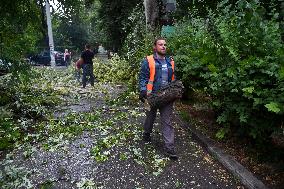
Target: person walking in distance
(87, 56)
(157, 70)
(67, 57)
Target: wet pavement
(106, 150)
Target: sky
(55, 5)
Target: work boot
(171, 153)
(147, 137)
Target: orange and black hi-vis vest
(151, 62)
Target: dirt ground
(271, 173)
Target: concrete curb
(228, 161)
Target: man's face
(161, 47)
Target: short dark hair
(157, 39)
(87, 46)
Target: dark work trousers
(67, 62)
(166, 113)
(88, 71)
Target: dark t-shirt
(88, 56)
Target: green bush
(194, 51)
(237, 59)
(117, 70)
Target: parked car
(44, 58)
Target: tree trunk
(43, 22)
(152, 14)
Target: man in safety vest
(156, 71)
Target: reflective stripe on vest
(151, 63)
(173, 67)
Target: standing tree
(19, 26)
(151, 14)
(113, 14)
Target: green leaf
(156, 173)
(222, 118)
(281, 73)
(273, 107)
(222, 132)
(212, 68)
(248, 89)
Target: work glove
(143, 96)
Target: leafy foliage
(76, 25)
(25, 99)
(136, 46)
(115, 70)
(113, 15)
(19, 31)
(237, 59)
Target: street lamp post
(50, 36)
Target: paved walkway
(94, 141)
